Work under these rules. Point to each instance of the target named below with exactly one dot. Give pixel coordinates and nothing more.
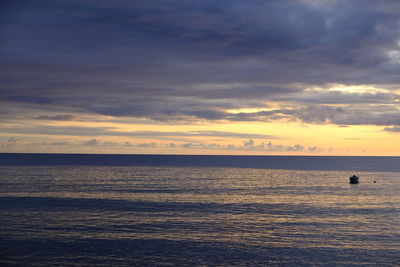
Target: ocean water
(99, 210)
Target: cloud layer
(14, 145)
(198, 61)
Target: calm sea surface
(74, 210)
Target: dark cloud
(12, 140)
(249, 145)
(59, 130)
(9, 144)
(351, 115)
(392, 129)
(52, 144)
(147, 145)
(91, 142)
(340, 98)
(111, 131)
(202, 133)
(64, 143)
(326, 114)
(193, 60)
(231, 134)
(59, 117)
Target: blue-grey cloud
(350, 115)
(392, 129)
(248, 145)
(63, 143)
(340, 98)
(9, 144)
(58, 117)
(111, 131)
(91, 142)
(191, 60)
(327, 114)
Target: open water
(119, 210)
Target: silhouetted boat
(354, 179)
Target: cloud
(96, 144)
(147, 145)
(12, 140)
(111, 131)
(350, 115)
(9, 145)
(91, 142)
(47, 145)
(196, 60)
(64, 143)
(202, 134)
(313, 97)
(59, 130)
(59, 117)
(392, 129)
(352, 34)
(248, 145)
(110, 143)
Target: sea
(178, 210)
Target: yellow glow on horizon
(330, 139)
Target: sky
(288, 77)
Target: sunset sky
(300, 77)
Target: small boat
(354, 179)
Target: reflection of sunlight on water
(236, 207)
